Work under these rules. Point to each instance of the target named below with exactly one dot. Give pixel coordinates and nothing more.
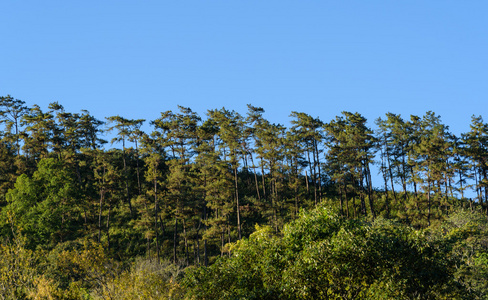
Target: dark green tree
(351, 151)
(11, 113)
(309, 130)
(231, 141)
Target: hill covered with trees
(231, 206)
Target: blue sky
(138, 58)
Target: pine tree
(477, 152)
(231, 134)
(351, 151)
(11, 113)
(430, 156)
(309, 130)
(39, 133)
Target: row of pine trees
(190, 186)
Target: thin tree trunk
(345, 198)
(156, 219)
(205, 252)
(275, 198)
(354, 206)
(126, 179)
(100, 211)
(255, 176)
(17, 136)
(461, 184)
(296, 191)
(403, 178)
(137, 169)
(341, 209)
(162, 235)
(306, 182)
(446, 197)
(362, 193)
(385, 178)
(264, 181)
(228, 235)
(205, 221)
(428, 202)
(197, 261)
(237, 203)
(222, 242)
(485, 187)
(391, 176)
(370, 192)
(108, 226)
(477, 185)
(175, 238)
(187, 255)
(318, 167)
(312, 174)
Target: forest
(231, 206)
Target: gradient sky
(138, 58)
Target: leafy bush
(324, 256)
(147, 279)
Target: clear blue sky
(138, 58)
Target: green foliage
(146, 279)
(43, 207)
(17, 270)
(324, 256)
(245, 276)
(464, 238)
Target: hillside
(231, 205)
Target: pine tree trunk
(391, 176)
(296, 192)
(361, 193)
(403, 178)
(237, 203)
(100, 216)
(354, 206)
(306, 182)
(387, 198)
(477, 185)
(313, 175)
(205, 221)
(126, 179)
(255, 178)
(428, 202)
(187, 255)
(319, 173)
(370, 192)
(222, 242)
(205, 252)
(175, 238)
(461, 183)
(228, 235)
(197, 260)
(108, 226)
(137, 169)
(341, 209)
(156, 219)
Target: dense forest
(232, 206)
